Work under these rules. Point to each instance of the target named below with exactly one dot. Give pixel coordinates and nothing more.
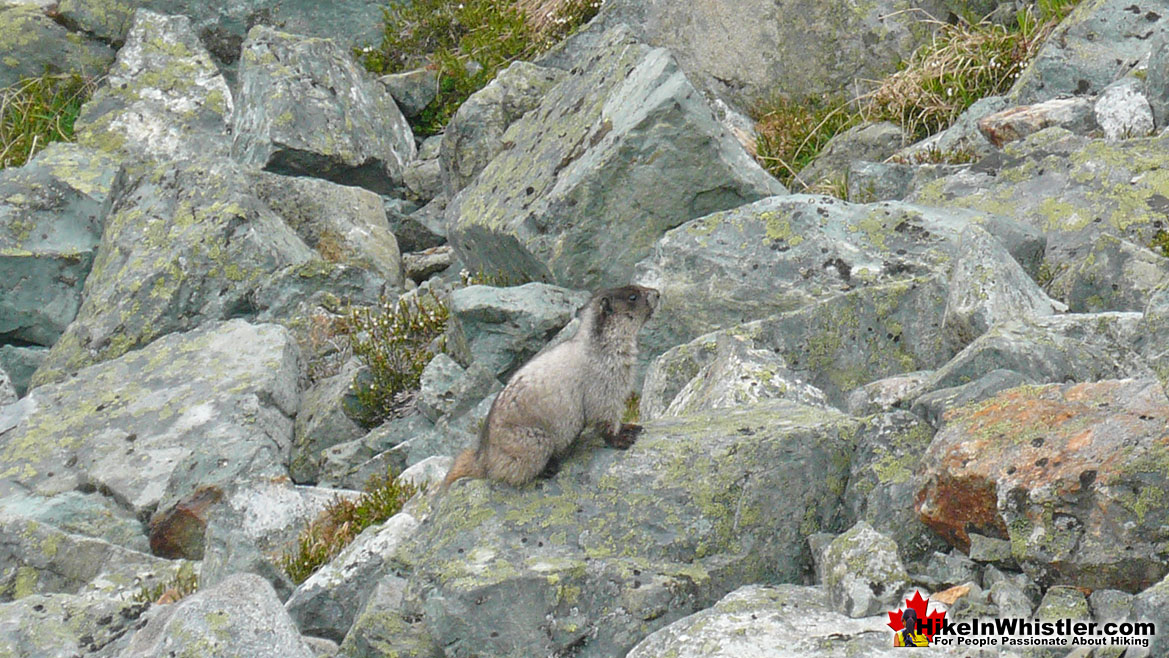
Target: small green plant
(632, 413)
(498, 279)
(184, 583)
(341, 522)
(396, 339)
(934, 155)
(1160, 242)
(791, 133)
(467, 42)
(38, 111)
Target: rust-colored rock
(1076, 476)
(1076, 114)
(178, 532)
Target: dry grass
(38, 111)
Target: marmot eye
(633, 297)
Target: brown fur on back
(550, 400)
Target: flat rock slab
(616, 154)
(684, 516)
(201, 409)
(1070, 473)
(306, 108)
(163, 99)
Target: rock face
(155, 425)
(239, 617)
(863, 573)
(547, 561)
(1063, 472)
(50, 226)
(616, 154)
(305, 108)
(32, 43)
(163, 99)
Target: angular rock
(34, 44)
(381, 630)
(869, 141)
(784, 621)
(475, 133)
(417, 228)
(88, 514)
(571, 545)
(881, 489)
(741, 376)
(239, 617)
(1152, 336)
(412, 90)
(987, 288)
(1010, 600)
(306, 109)
(615, 155)
(934, 406)
(884, 394)
(421, 265)
(423, 178)
(20, 363)
(343, 224)
(327, 603)
(1108, 273)
(862, 572)
(869, 182)
(951, 569)
(1099, 42)
(502, 328)
(426, 473)
(178, 531)
(7, 390)
(804, 50)
(164, 99)
(350, 465)
(447, 390)
(49, 232)
(324, 420)
(188, 411)
(67, 625)
(843, 342)
(1060, 602)
(1123, 112)
(1111, 605)
(39, 559)
(780, 254)
(1059, 348)
(1075, 114)
(1153, 605)
(1062, 471)
(1072, 188)
(185, 244)
(222, 24)
(1157, 80)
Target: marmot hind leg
(623, 438)
(519, 458)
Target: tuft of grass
(396, 339)
(934, 155)
(467, 42)
(1160, 242)
(35, 112)
(184, 583)
(791, 133)
(341, 522)
(632, 413)
(962, 63)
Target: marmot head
(622, 309)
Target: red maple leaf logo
(933, 620)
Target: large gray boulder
(239, 617)
(189, 243)
(1099, 42)
(51, 221)
(801, 48)
(862, 572)
(782, 253)
(89, 514)
(501, 328)
(326, 418)
(475, 133)
(784, 621)
(40, 559)
(1056, 182)
(33, 44)
(305, 108)
(1107, 273)
(223, 24)
(533, 571)
(616, 154)
(67, 625)
(199, 411)
(163, 99)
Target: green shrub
(396, 339)
(38, 111)
(467, 42)
(184, 583)
(341, 522)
